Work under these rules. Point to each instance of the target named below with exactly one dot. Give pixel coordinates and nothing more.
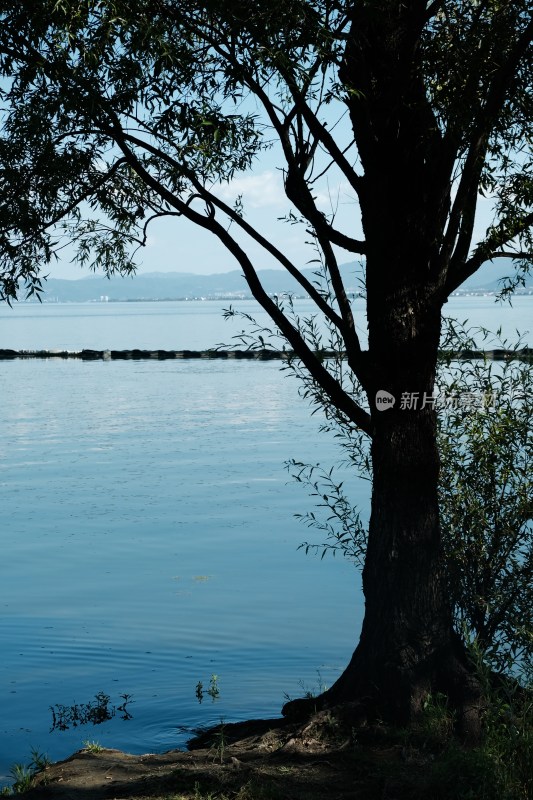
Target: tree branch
(487, 250)
(84, 195)
(511, 254)
(245, 226)
(321, 133)
(339, 398)
(479, 139)
(318, 131)
(299, 193)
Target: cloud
(258, 191)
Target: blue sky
(176, 245)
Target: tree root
(397, 696)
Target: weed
(310, 693)
(213, 691)
(500, 767)
(92, 747)
(254, 791)
(22, 778)
(436, 723)
(39, 761)
(199, 796)
(23, 774)
(219, 742)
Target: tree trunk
(407, 647)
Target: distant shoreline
(525, 292)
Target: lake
(196, 324)
(148, 533)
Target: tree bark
(408, 647)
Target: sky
(177, 245)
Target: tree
(486, 447)
(116, 114)
(486, 450)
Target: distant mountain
(227, 285)
(179, 286)
(489, 277)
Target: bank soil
(326, 758)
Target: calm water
(197, 324)
(148, 542)
(148, 539)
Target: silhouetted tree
(115, 114)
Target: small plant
(198, 795)
(310, 692)
(23, 774)
(213, 691)
(39, 761)
(22, 778)
(92, 746)
(126, 700)
(219, 742)
(435, 724)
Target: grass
(24, 774)
(92, 746)
(219, 743)
(499, 768)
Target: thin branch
(340, 399)
(479, 140)
(207, 195)
(511, 254)
(155, 215)
(486, 250)
(464, 239)
(318, 130)
(331, 163)
(83, 196)
(298, 192)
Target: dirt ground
(324, 759)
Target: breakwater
(524, 354)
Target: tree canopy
(162, 101)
